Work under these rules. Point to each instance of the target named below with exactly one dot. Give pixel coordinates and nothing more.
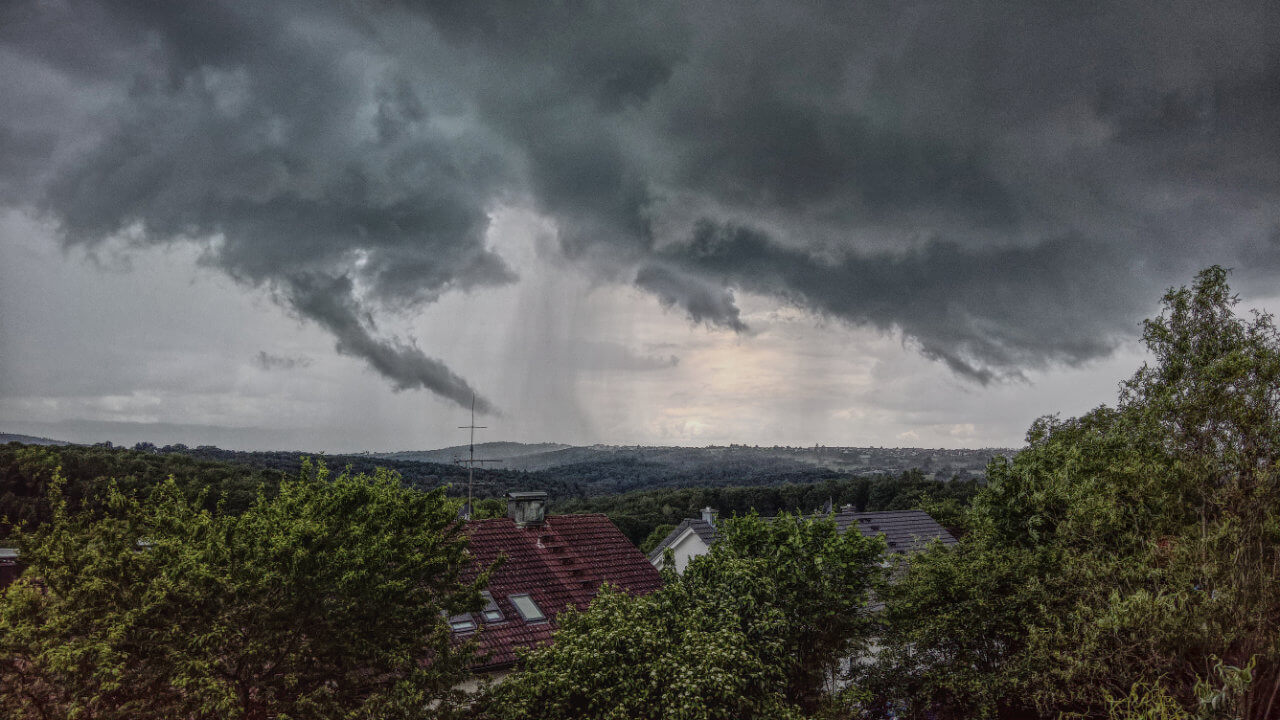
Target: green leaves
(323, 600)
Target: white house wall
(685, 548)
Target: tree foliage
(27, 470)
(322, 601)
(1131, 550)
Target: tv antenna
(471, 461)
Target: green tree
(322, 601)
(25, 472)
(659, 534)
(755, 628)
(1133, 547)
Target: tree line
(27, 471)
(647, 516)
(233, 479)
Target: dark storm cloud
(957, 303)
(703, 301)
(328, 301)
(1008, 185)
(279, 135)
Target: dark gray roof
(903, 530)
(704, 529)
(528, 495)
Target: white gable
(686, 547)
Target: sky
(328, 225)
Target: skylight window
(528, 609)
(462, 623)
(490, 613)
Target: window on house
(529, 610)
(490, 613)
(462, 623)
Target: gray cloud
(600, 355)
(1006, 185)
(271, 361)
(958, 304)
(193, 435)
(704, 302)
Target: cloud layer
(1007, 186)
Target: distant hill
(678, 460)
(30, 440)
(567, 471)
(638, 495)
(486, 451)
(585, 471)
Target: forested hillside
(6, 438)
(638, 495)
(610, 471)
(234, 478)
(656, 462)
(26, 471)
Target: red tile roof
(561, 563)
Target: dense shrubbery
(321, 601)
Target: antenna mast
(471, 461)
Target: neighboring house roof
(903, 530)
(561, 562)
(704, 529)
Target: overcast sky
(326, 225)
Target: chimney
(709, 515)
(847, 507)
(528, 509)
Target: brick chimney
(528, 509)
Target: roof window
(528, 609)
(462, 623)
(490, 613)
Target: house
(551, 562)
(691, 538)
(903, 531)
